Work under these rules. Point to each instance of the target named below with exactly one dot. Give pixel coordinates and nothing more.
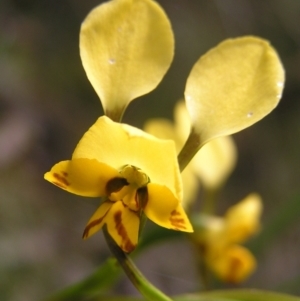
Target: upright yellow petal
(82, 176)
(165, 210)
(233, 86)
(118, 144)
(126, 47)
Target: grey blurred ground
(46, 104)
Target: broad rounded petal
(123, 226)
(165, 210)
(86, 177)
(126, 47)
(215, 161)
(97, 220)
(119, 144)
(233, 86)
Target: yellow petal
(243, 219)
(165, 210)
(126, 47)
(234, 265)
(118, 144)
(86, 177)
(233, 86)
(97, 220)
(123, 226)
(215, 161)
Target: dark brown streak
(61, 179)
(127, 245)
(93, 224)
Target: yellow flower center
(130, 188)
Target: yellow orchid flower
(133, 171)
(219, 238)
(126, 47)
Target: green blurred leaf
(98, 282)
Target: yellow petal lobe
(126, 47)
(233, 86)
(85, 177)
(165, 210)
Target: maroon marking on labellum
(63, 182)
(177, 221)
(127, 245)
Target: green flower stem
(190, 149)
(149, 291)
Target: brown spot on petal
(61, 180)
(126, 245)
(177, 221)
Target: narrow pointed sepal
(122, 224)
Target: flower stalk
(149, 291)
(189, 150)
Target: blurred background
(47, 103)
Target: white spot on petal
(188, 97)
(280, 84)
(250, 114)
(112, 61)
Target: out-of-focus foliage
(46, 104)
